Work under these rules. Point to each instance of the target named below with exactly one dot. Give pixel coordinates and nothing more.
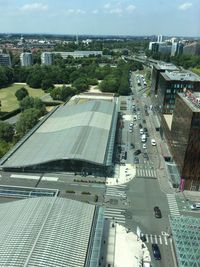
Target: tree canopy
(21, 93)
(6, 131)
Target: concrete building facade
(26, 59)
(47, 58)
(5, 60)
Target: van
(141, 131)
(195, 206)
(144, 138)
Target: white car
(144, 146)
(153, 142)
(195, 206)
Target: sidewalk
(129, 251)
(123, 174)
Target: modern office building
(192, 49)
(156, 71)
(77, 54)
(177, 49)
(50, 231)
(26, 59)
(76, 138)
(164, 48)
(47, 58)
(160, 39)
(171, 83)
(185, 138)
(5, 60)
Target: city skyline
(102, 17)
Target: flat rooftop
(193, 102)
(181, 76)
(166, 66)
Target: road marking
(173, 206)
(160, 239)
(22, 176)
(147, 238)
(151, 239)
(51, 179)
(156, 240)
(166, 243)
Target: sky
(101, 17)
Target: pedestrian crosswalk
(157, 239)
(145, 172)
(173, 207)
(116, 191)
(116, 215)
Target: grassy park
(8, 99)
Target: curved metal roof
(78, 132)
(45, 232)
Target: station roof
(46, 231)
(181, 76)
(75, 132)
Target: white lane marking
(46, 178)
(160, 239)
(165, 238)
(22, 176)
(156, 240)
(147, 238)
(151, 239)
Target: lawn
(8, 99)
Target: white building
(47, 58)
(26, 59)
(160, 38)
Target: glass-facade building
(185, 141)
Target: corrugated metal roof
(78, 132)
(45, 232)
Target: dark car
(145, 129)
(132, 145)
(140, 125)
(136, 160)
(146, 156)
(137, 152)
(146, 113)
(156, 252)
(144, 121)
(157, 212)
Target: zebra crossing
(173, 207)
(145, 172)
(157, 239)
(116, 215)
(116, 191)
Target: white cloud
(95, 11)
(185, 6)
(107, 6)
(116, 10)
(130, 8)
(75, 11)
(34, 7)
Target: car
(144, 121)
(146, 113)
(156, 252)
(130, 130)
(139, 118)
(137, 152)
(131, 124)
(145, 129)
(140, 126)
(157, 212)
(195, 206)
(136, 160)
(146, 156)
(132, 145)
(153, 142)
(144, 146)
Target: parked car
(144, 146)
(132, 145)
(153, 142)
(140, 125)
(156, 252)
(136, 160)
(145, 129)
(157, 212)
(137, 152)
(146, 156)
(144, 121)
(195, 206)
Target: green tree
(21, 93)
(81, 84)
(6, 131)
(26, 103)
(28, 119)
(46, 84)
(4, 147)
